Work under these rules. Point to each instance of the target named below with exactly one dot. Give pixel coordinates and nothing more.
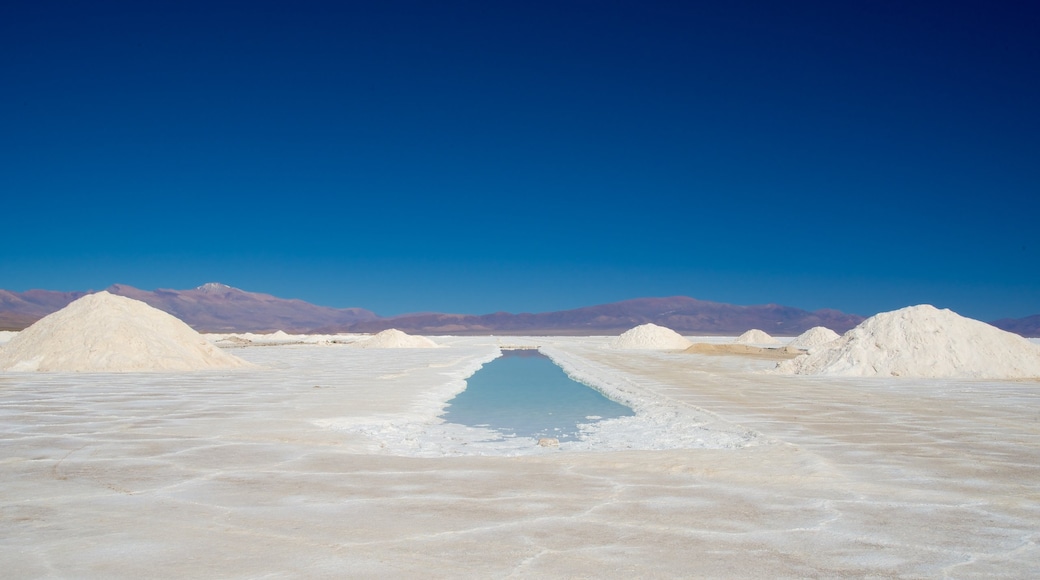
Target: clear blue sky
(527, 156)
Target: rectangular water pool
(524, 394)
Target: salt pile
(922, 341)
(815, 336)
(651, 337)
(107, 333)
(393, 338)
(756, 336)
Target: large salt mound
(756, 336)
(922, 341)
(393, 338)
(107, 333)
(651, 337)
(815, 336)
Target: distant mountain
(219, 308)
(18, 310)
(680, 313)
(1028, 326)
(209, 308)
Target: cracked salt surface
(262, 472)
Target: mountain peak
(215, 287)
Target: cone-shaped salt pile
(815, 336)
(651, 337)
(756, 336)
(393, 338)
(107, 333)
(922, 341)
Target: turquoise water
(524, 393)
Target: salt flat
(327, 461)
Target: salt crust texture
(651, 337)
(756, 336)
(922, 341)
(815, 336)
(393, 338)
(107, 333)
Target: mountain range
(209, 308)
(217, 307)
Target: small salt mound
(7, 335)
(107, 333)
(651, 337)
(233, 340)
(756, 336)
(393, 338)
(922, 341)
(815, 336)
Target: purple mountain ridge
(18, 311)
(1028, 326)
(209, 308)
(220, 308)
(680, 313)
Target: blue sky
(527, 156)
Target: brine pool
(524, 394)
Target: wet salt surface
(522, 393)
(321, 464)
